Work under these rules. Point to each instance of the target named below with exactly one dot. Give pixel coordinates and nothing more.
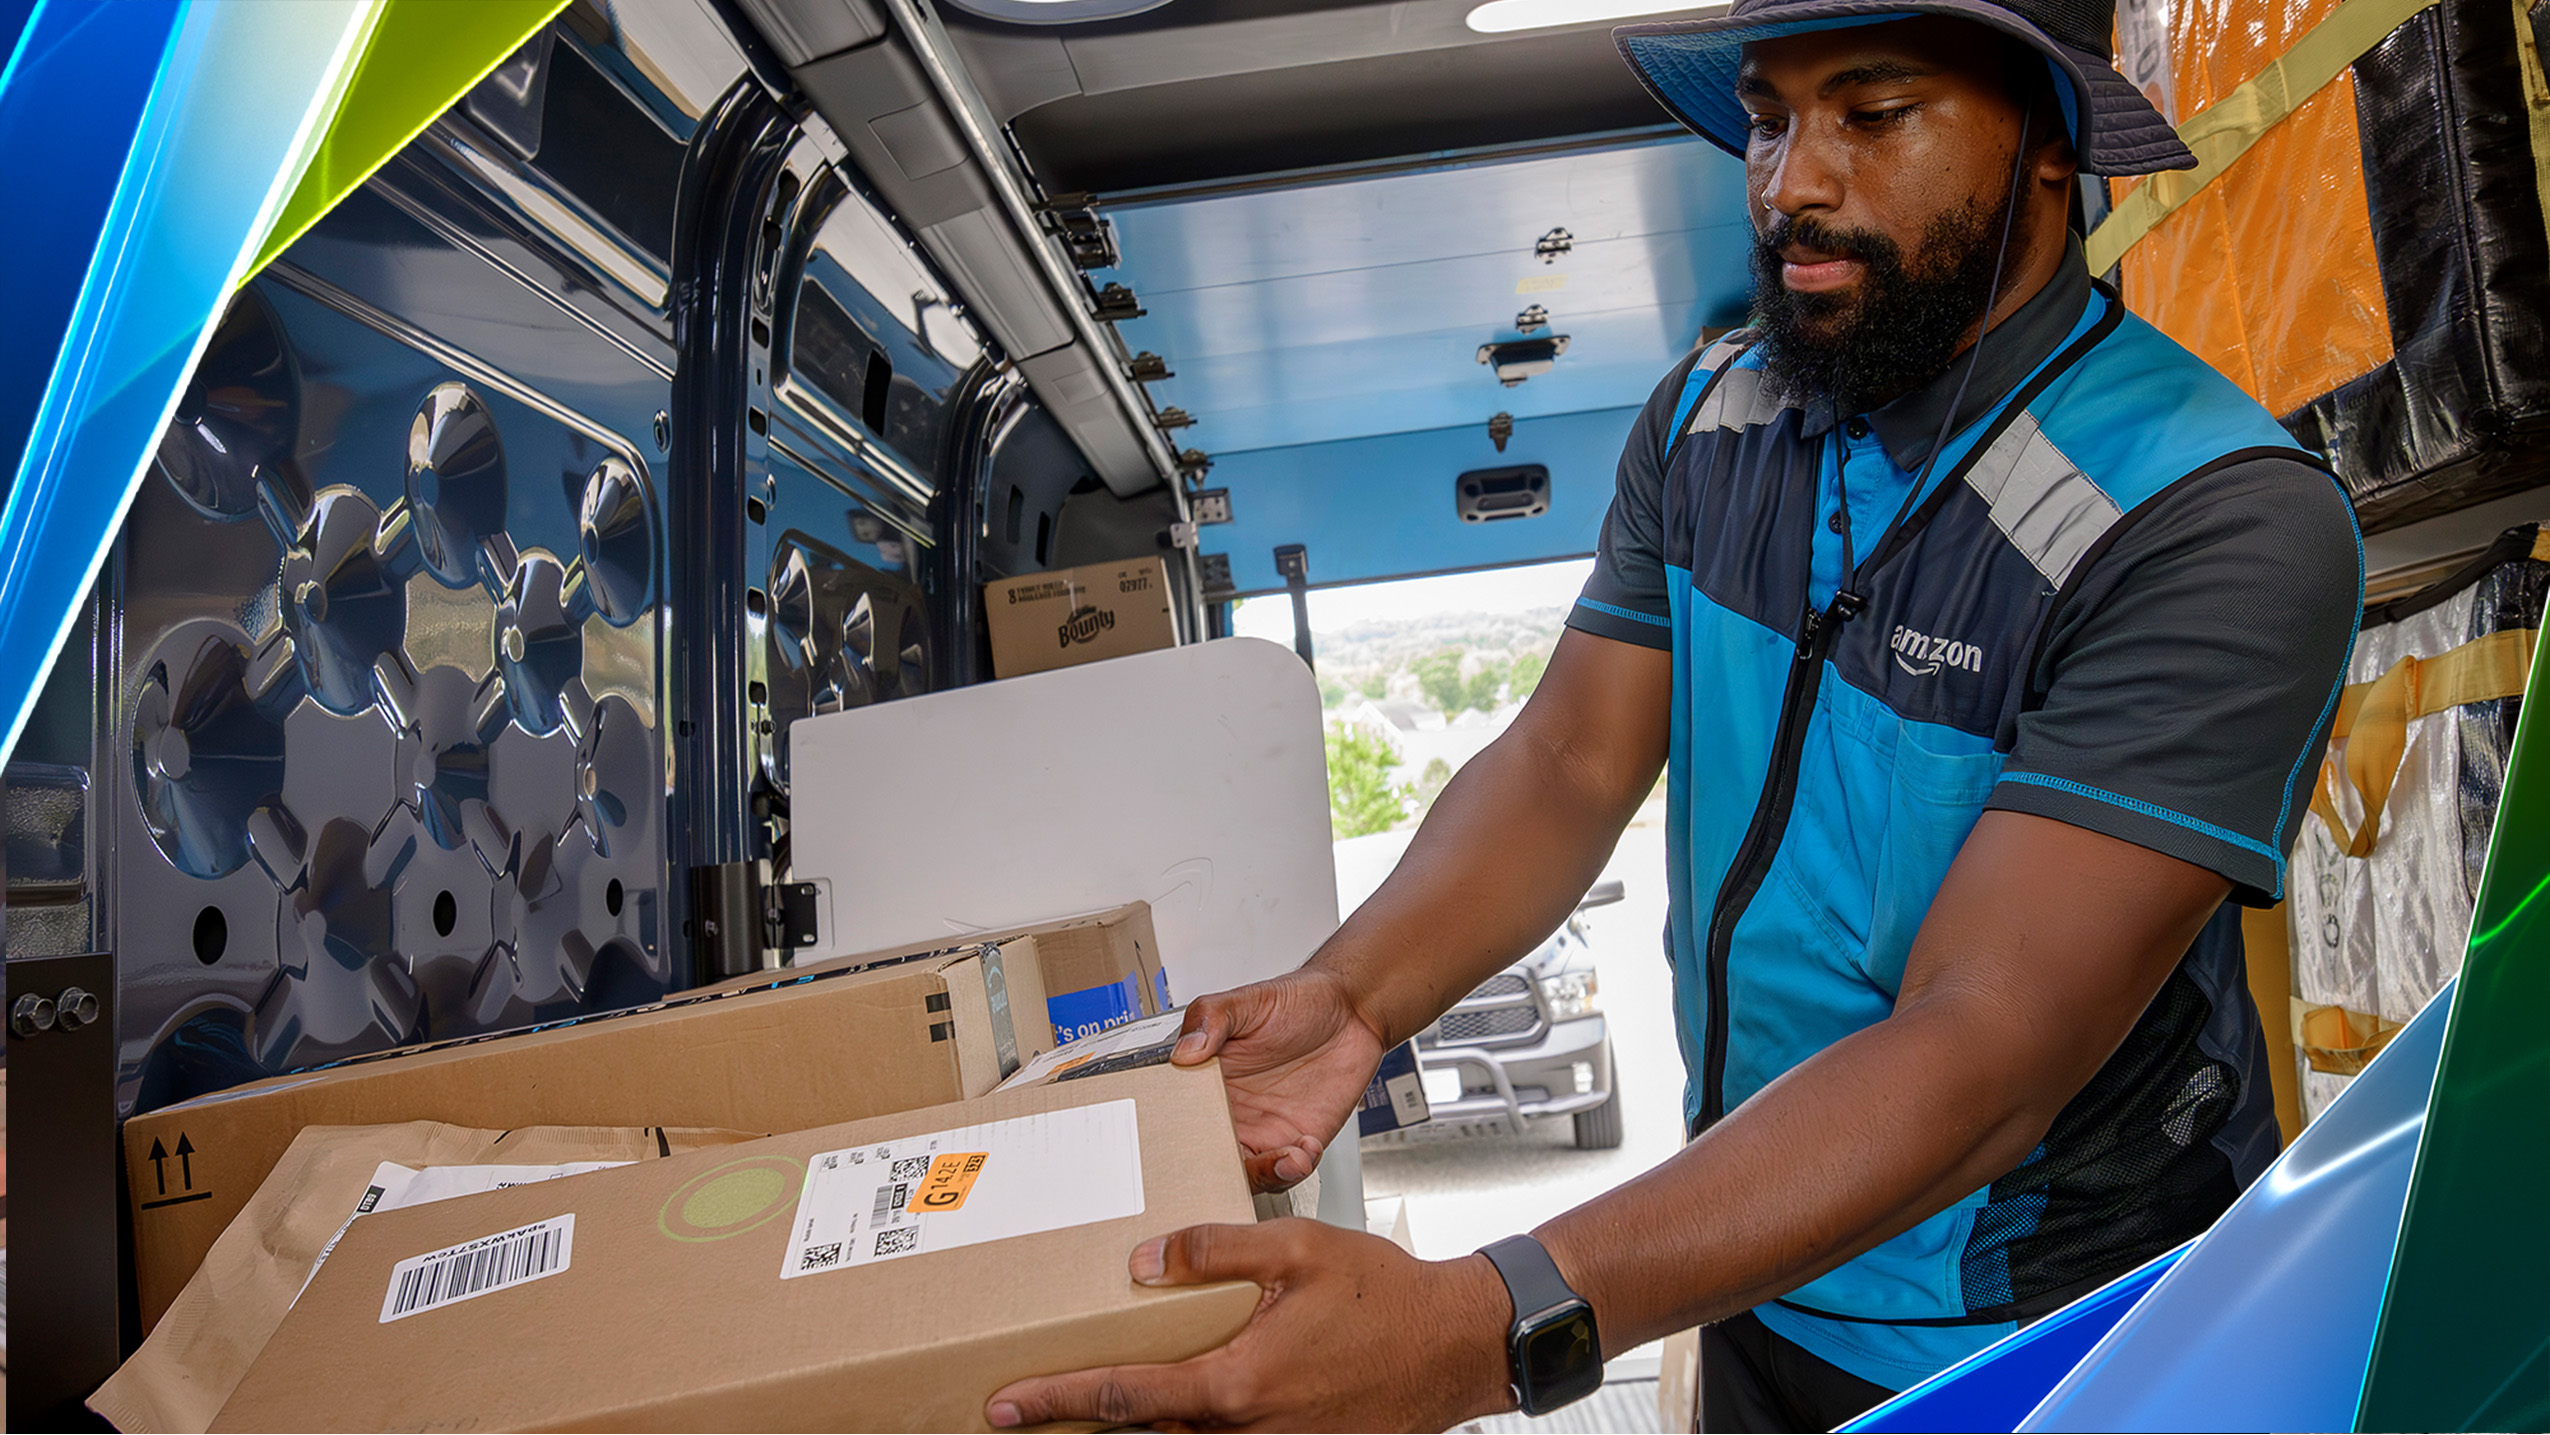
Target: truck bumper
(1515, 1082)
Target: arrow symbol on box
(159, 1162)
(185, 1161)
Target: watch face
(1561, 1357)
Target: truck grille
(1463, 1024)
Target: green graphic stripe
(423, 55)
(2464, 1342)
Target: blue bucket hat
(1690, 67)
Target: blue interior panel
(1644, 185)
(1324, 336)
(1329, 382)
(1382, 507)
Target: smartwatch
(1553, 1354)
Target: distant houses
(1390, 719)
(1418, 733)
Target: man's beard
(1897, 331)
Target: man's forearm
(1871, 1136)
(1503, 858)
(1513, 841)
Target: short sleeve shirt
(2184, 678)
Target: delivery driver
(1983, 669)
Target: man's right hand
(1501, 859)
(1296, 1057)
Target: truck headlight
(1569, 994)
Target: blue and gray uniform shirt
(2123, 601)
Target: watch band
(1531, 1277)
(1553, 1351)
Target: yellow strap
(2223, 131)
(2479, 671)
(2339, 1041)
(2373, 720)
(2541, 536)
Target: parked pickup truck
(1530, 1041)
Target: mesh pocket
(2128, 1170)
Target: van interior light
(1499, 17)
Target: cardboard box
(787, 1053)
(1093, 972)
(1078, 615)
(197, 1354)
(740, 1289)
(1100, 971)
(1396, 1096)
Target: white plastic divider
(1193, 778)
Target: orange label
(951, 1179)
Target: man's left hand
(1351, 1334)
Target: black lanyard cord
(1848, 601)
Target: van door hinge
(792, 916)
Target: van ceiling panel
(1207, 89)
(923, 152)
(1355, 308)
(1339, 113)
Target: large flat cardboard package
(1078, 615)
(198, 1352)
(786, 1053)
(887, 1274)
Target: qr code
(895, 1242)
(818, 1258)
(911, 1168)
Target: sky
(1502, 590)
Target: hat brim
(1690, 66)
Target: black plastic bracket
(1292, 563)
(726, 921)
(66, 1272)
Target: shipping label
(946, 1189)
(396, 1187)
(480, 1267)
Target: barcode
(490, 1263)
(891, 1199)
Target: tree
(1361, 797)
(1331, 692)
(1484, 683)
(1527, 674)
(1439, 678)
(1373, 684)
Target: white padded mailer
(1193, 778)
